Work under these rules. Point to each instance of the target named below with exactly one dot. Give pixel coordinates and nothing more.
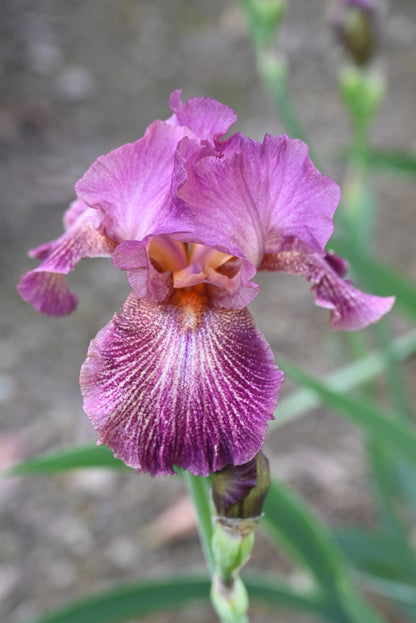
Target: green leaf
(290, 522)
(378, 278)
(276, 595)
(377, 553)
(393, 161)
(346, 378)
(396, 435)
(130, 601)
(78, 457)
(288, 519)
(400, 592)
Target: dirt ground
(77, 79)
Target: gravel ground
(77, 79)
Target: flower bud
(354, 23)
(239, 491)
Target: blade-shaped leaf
(393, 161)
(287, 518)
(400, 592)
(289, 521)
(378, 554)
(381, 425)
(78, 457)
(130, 601)
(346, 378)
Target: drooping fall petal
(45, 287)
(181, 385)
(350, 308)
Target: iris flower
(181, 375)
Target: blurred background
(78, 79)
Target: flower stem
(273, 72)
(198, 488)
(230, 598)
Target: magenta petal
(206, 117)
(131, 186)
(47, 292)
(261, 193)
(45, 287)
(351, 308)
(291, 196)
(165, 385)
(145, 280)
(74, 212)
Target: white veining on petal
(165, 387)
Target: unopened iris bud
(239, 491)
(354, 23)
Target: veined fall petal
(350, 308)
(181, 384)
(45, 287)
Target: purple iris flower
(182, 376)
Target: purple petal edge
(47, 292)
(350, 308)
(45, 287)
(206, 117)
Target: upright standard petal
(131, 186)
(206, 117)
(350, 308)
(45, 287)
(261, 193)
(181, 385)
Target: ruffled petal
(145, 280)
(259, 194)
(350, 308)
(45, 287)
(292, 197)
(226, 217)
(206, 117)
(180, 385)
(131, 186)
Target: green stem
(271, 66)
(198, 488)
(272, 71)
